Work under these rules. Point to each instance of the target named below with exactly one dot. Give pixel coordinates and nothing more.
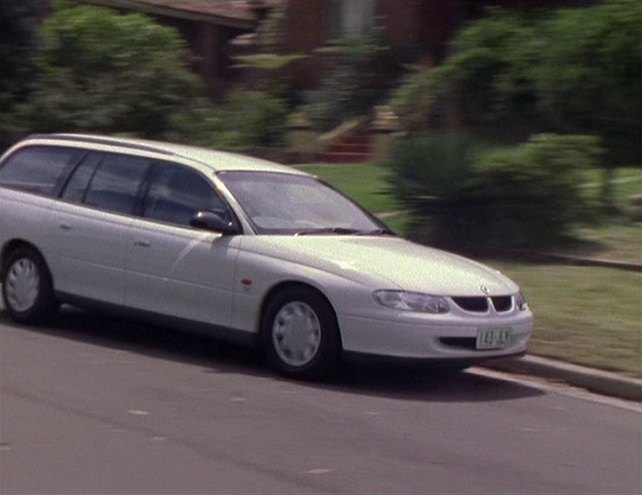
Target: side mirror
(208, 220)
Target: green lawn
(619, 241)
(585, 315)
(627, 182)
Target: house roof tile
(238, 13)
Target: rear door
(92, 225)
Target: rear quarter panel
(25, 217)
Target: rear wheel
(300, 334)
(27, 288)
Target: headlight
(411, 301)
(520, 302)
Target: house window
(349, 17)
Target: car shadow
(416, 383)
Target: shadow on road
(416, 383)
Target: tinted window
(176, 193)
(77, 185)
(38, 169)
(117, 182)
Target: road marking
(319, 471)
(138, 412)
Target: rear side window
(38, 169)
(116, 185)
(77, 185)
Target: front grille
(502, 303)
(474, 304)
(482, 304)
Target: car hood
(386, 263)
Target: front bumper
(426, 337)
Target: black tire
(300, 334)
(27, 287)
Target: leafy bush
(18, 43)
(413, 101)
(490, 71)
(433, 177)
(105, 72)
(574, 71)
(531, 191)
(588, 76)
(464, 195)
(433, 170)
(246, 119)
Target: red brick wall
(421, 29)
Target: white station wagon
(239, 248)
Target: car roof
(217, 161)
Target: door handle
(142, 243)
(65, 226)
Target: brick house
(207, 26)
(420, 29)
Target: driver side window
(176, 193)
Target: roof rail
(83, 138)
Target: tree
(18, 43)
(588, 77)
(105, 72)
(573, 71)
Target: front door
(173, 268)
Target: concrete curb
(601, 382)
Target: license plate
(493, 338)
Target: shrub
(464, 196)
(259, 117)
(530, 192)
(413, 101)
(18, 43)
(432, 177)
(433, 169)
(246, 119)
(490, 71)
(105, 72)
(588, 76)
(575, 71)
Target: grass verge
(584, 315)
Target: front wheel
(27, 289)
(300, 334)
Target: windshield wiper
(376, 232)
(328, 230)
(343, 231)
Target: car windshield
(281, 203)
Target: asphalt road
(94, 405)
